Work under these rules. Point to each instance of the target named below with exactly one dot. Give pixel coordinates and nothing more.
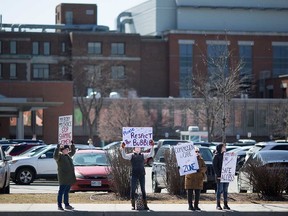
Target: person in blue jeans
(66, 173)
(222, 187)
(138, 171)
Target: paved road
(44, 186)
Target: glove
(123, 145)
(151, 142)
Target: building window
(218, 57)
(245, 54)
(117, 49)
(1, 71)
(63, 47)
(93, 72)
(89, 12)
(118, 72)
(69, 17)
(13, 47)
(40, 71)
(280, 59)
(46, 48)
(35, 48)
(185, 67)
(94, 48)
(13, 71)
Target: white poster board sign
(65, 129)
(186, 158)
(228, 167)
(137, 136)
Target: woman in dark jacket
(66, 173)
(194, 181)
(222, 187)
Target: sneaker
(60, 208)
(68, 207)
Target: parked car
(4, 173)
(266, 146)
(244, 142)
(91, 170)
(266, 158)
(112, 146)
(159, 177)
(241, 153)
(25, 169)
(19, 148)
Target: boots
(145, 204)
(133, 204)
(226, 205)
(191, 207)
(218, 207)
(196, 207)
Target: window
(93, 71)
(94, 48)
(185, 67)
(35, 48)
(218, 57)
(118, 72)
(69, 17)
(13, 47)
(0, 71)
(117, 49)
(245, 54)
(46, 48)
(40, 71)
(90, 12)
(63, 47)
(280, 59)
(13, 71)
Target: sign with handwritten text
(65, 124)
(228, 167)
(137, 136)
(186, 158)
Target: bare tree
(278, 120)
(217, 87)
(92, 83)
(123, 112)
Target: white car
(4, 173)
(24, 170)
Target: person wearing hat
(66, 173)
(194, 182)
(138, 171)
(222, 187)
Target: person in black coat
(222, 187)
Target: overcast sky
(43, 11)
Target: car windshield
(90, 159)
(206, 154)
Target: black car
(159, 169)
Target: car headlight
(79, 175)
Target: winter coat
(195, 180)
(217, 161)
(66, 173)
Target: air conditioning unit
(193, 128)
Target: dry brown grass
(100, 198)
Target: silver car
(4, 173)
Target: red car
(91, 169)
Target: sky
(43, 11)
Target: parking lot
(44, 186)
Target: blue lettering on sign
(188, 168)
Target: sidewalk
(155, 209)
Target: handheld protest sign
(137, 136)
(186, 158)
(65, 125)
(228, 167)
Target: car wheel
(155, 187)
(25, 176)
(239, 186)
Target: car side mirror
(43, 156)
(162, 159)
(7, 158)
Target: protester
(66, 173)
(222, 187)
(194, 182)
(138, 171)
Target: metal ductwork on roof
(127, 18)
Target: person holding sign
(138, 171)
(222, 187)
(66, 173)
(194, 182)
